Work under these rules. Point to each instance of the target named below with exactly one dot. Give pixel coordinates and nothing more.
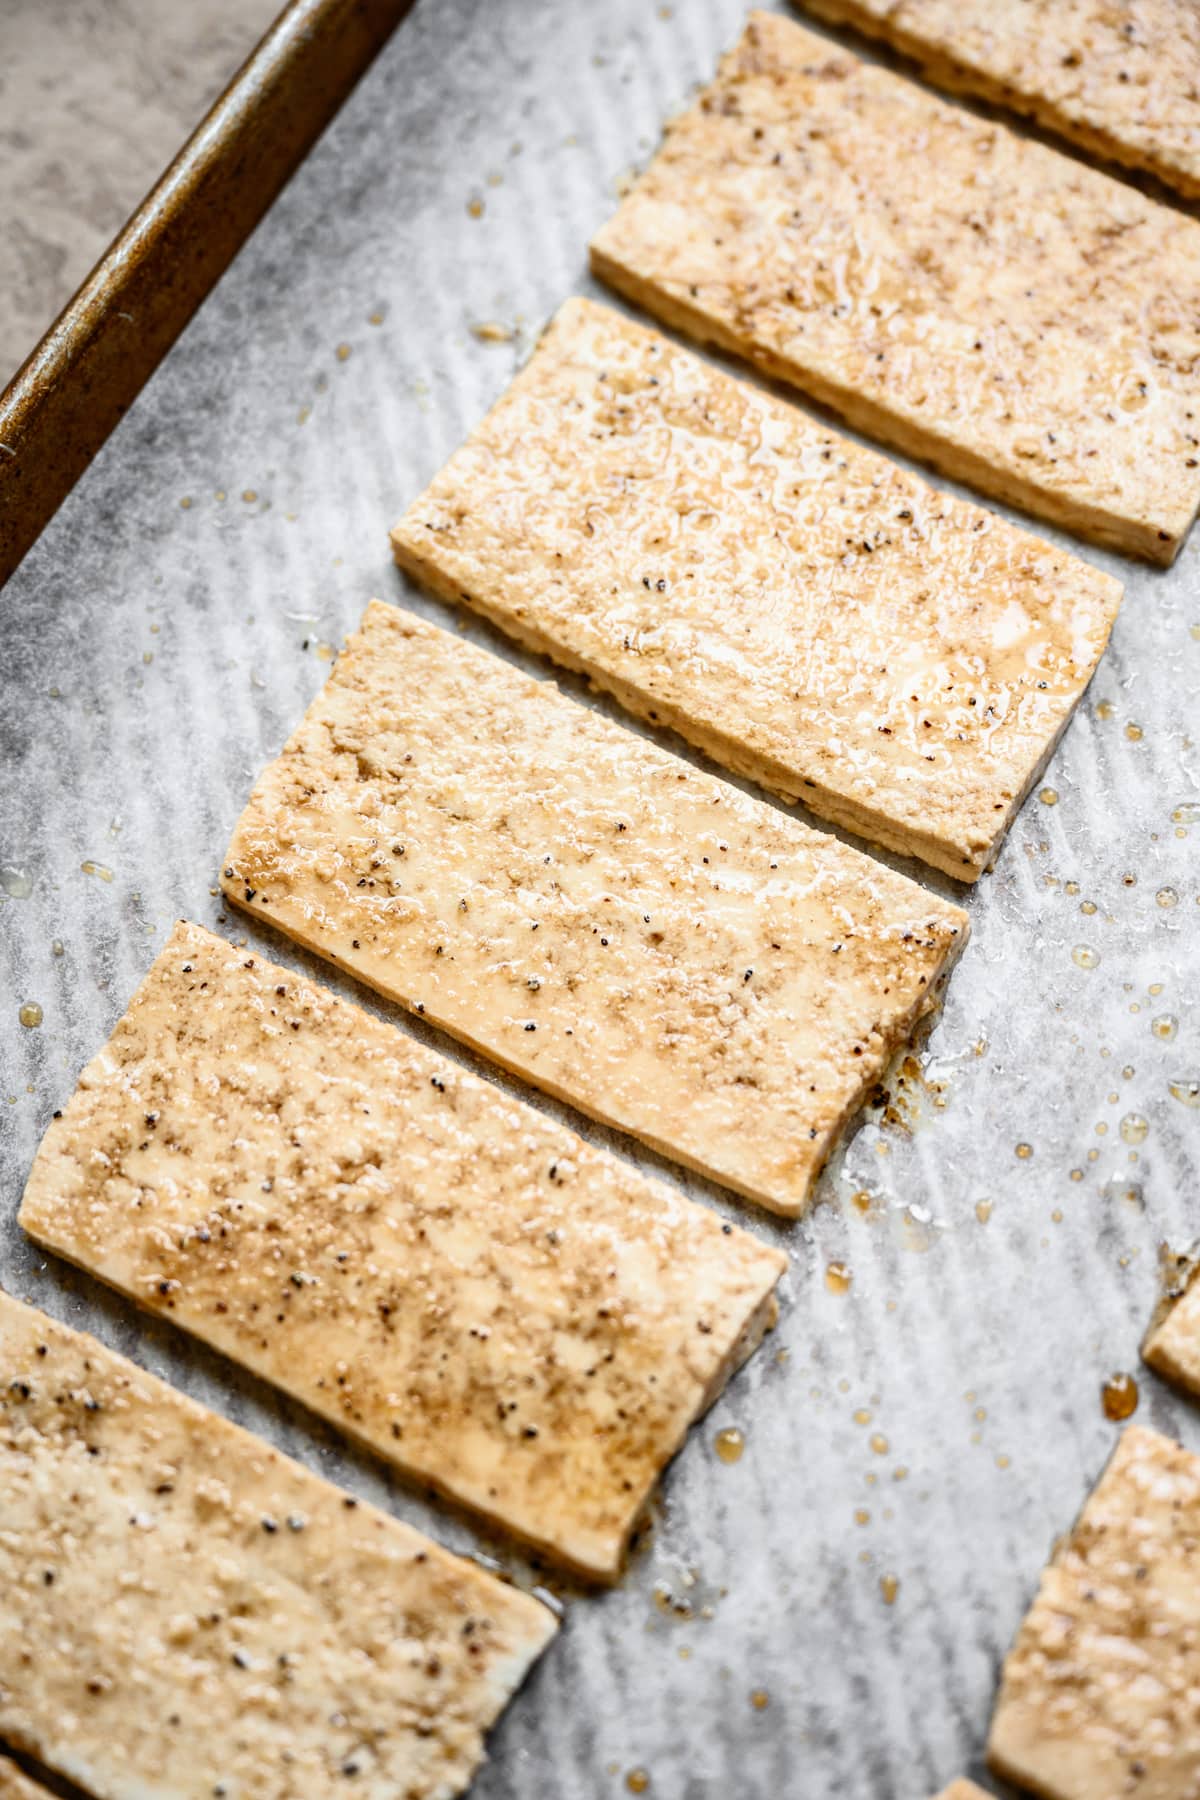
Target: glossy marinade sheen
(186, 1612)
(485, 1300)
(1019, 320)
(805, 611)
(626, 932)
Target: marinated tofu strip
(626, 932)
(806, 612)
(1017, 319)
(1099, 1691)
(16, 1785)
(186, 1612)
(1121, 80)
(523, 1321)
(1172, 1344)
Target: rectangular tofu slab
(632, 935)
(16, 1785)
(524, 1322)
(1098, 1695)
(1021, 321)
(1122, 81)
(185, 1612)
(806, 612)
(1172, 1344)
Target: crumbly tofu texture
(16, 1785)
(1013, 317)
(1172, 1344)
(1121, 81)
(628, 933)
(806, 612)
(184, 1611)
(1098, 1692)
(523, 1321)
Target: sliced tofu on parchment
(525, 1322)
(1121, 80)
(186, 1612)
(1019, 320)
(805, 611)
(1099, 1690)
(630, 934)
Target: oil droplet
(1167, 897)
(1088, 907)
(1104, 709)
(862, 1416)
(889, 1587)
(1134, 1128)
(729, 1444)
(862, 1516)
(1024, 1151)
(30, 1014)
(95, 868)
(1083, 955)
(1076, 1175)
(838, 1278)
(1070, 887)
(983, 1211)
(343, 352)
(1119, 1397)
(16, 883)
(475, 211)
(879, 1443)
(491, 331)
(760, 1699)
(57, 947)
(1049, 796)
(250, 495)
(376, 318)
(1187, 1092)
(1133, 732)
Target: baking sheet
(160, 642)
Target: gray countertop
(940, 1423)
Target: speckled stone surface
(991, 1292)
(96, 96)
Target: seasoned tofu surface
(1172, 1344)
(16, 1785)
(628, 933)
(802, 609)
(521, 1320)
(185, 1612)
(1098, 1696)
(1020, 320)
(1121, 78)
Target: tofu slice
(1119, 80)
(963, 1790)
(1020, 321)
(1172, 1344)
(1098, 1692)
(806, 612)
(522, 1321)
(626, 932)
(186, 1612)
(16, 1785)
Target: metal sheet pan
(940, 1423)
